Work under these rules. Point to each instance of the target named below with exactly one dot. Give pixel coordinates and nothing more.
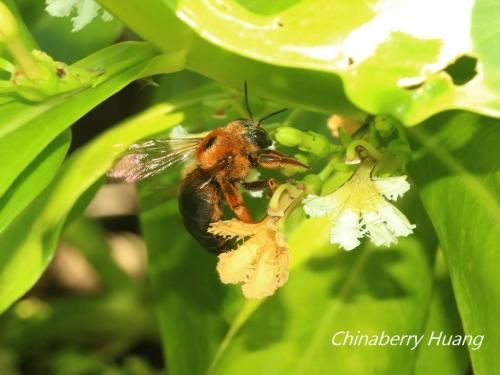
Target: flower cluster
(359, 208)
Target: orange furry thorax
(229, 140)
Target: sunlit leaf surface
(393, 57)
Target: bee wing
(146, 159)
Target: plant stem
(23, 57)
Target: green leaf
(280, 84)
(33, 179)
(54, 35)
(47, 215)
(458, 175)
(485, 31)
(30, 127)
(149, 22)
(188, 295)
(397, 59)
(442, 317)
(208, 328)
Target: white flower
(358, 208)
(86, 11)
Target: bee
(224, 158)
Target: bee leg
(270, 184)
(235, 201)
(272, 159)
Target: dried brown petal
(260, 263)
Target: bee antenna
(246, 101)
(272, 114)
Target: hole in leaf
(462, 70)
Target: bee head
(256, 134)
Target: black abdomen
(199, 205)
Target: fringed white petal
(87, 11)
(377, 229)
(60, 8)
(396, 221)
(347, 230)
(392, 187)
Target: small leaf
(33, 179)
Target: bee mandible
(224, 158)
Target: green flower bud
(8, 24)
(315, 143)
(302, 158)
(288, 136)
(384, 124)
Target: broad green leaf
(187, 293)
(442, 317)
(208, 328)
(392, 58)
(154, 22)
(30, 127)
(54, 35)
(33, 179)
(295, 87)
(25, 254)
(458, 176)
(485, 30)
